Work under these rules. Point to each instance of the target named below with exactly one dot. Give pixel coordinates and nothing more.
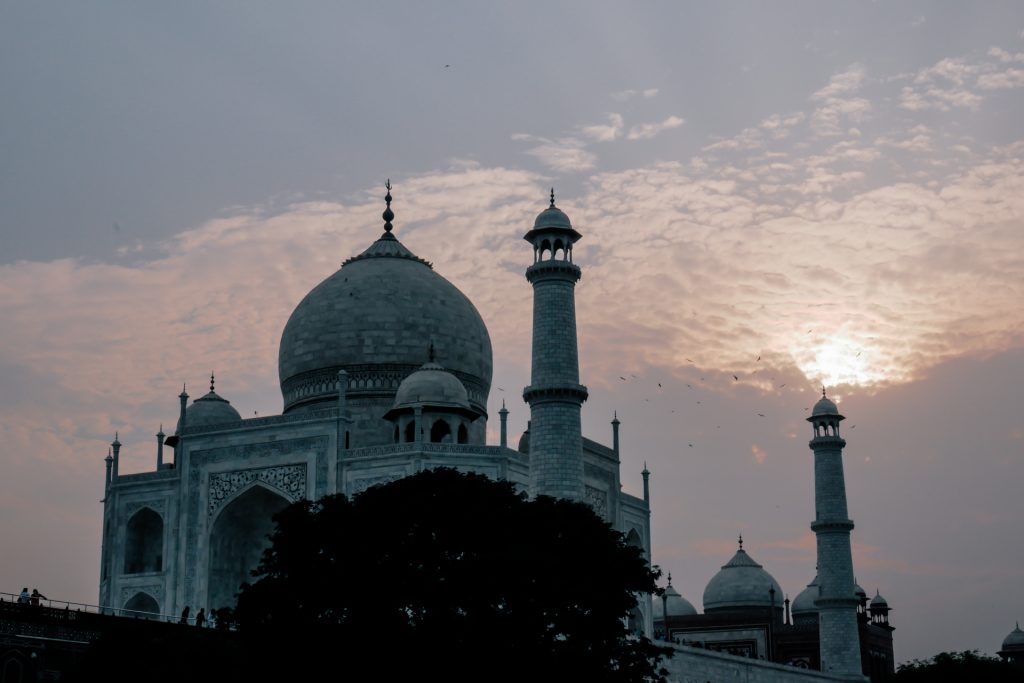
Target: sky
(772, 197)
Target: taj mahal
(385, 369)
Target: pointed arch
(15, 667)
(463, 434)
(144, 542)
(440, 431)
(141, 604)
(239, 534)
(410, 431)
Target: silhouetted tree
(449, 576)
(959, 667)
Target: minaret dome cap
(552, 222)
(825, 406)
(552, 217)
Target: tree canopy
(958, 667)
(453, 576)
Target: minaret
(555, 393)
(160, 448)
(837, 601)
(116, 446)
(503, 414)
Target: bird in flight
(447, 65)
(688, 360)
(736, 378)
(760, 414)
(622, 378)
(659, 385)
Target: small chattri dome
(210, 409)
(524, 442)
(672, 602)
(1015, 641)
(804, 601)
(878, 602)
(431, 385)
(741, 583)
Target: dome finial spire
(741, 541)
(430, 352)
(388, 214)
(823, 391)
(211, 380)
(552, 197)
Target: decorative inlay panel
(290, 480)
(597, 499)
(360, 485)
(153, 590)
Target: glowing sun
(839, 361)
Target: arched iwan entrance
(237, 540)
(144, 543)
(140, 605)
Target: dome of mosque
(741, 583)
(824, 406)
(210, 409)
(672, 602)
(803, 603)
(431, 385)
(373, 318)
(1015, 641)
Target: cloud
(646, 131)
(836, 102)
(564, 155)
(624, 95)
(841, 84)
(948, 83)
(1011, 78)
(747, 139)
(605, 132)
(1004, 56)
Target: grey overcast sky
(835, 189)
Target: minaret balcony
(829, 441)
(553, 269)
(836, 602)
(827, 525)
(577, 393)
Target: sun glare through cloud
(839, 361)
